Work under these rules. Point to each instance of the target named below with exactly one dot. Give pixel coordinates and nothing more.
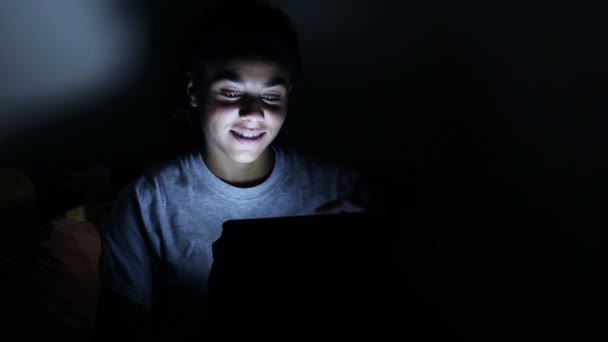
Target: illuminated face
(245, 105)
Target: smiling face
(243, 107)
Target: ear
(190, 91)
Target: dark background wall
(492, 113)
(507, 93)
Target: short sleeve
(129, 258)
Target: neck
(241, 175)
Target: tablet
(310, 277)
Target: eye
(230, 94)
(271, 98)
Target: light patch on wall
(63, 53)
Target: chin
(246, 157)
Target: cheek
(216, 115)
(276, 112)
(275, 118)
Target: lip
(248, 130)
(247, 141)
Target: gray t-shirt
(157, 240)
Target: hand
(347, 204)
(342, 205)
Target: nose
(251, 107)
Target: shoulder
(165, 178)
(144, 201)
(346, 178)
(313, 170)
(300, 162)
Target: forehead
(247, 70)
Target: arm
(127, 268)
(119, 316)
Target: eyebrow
(233, 77)
(276, 81)
(226, 75)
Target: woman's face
(243, 107)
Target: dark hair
(245, 29)
(225, 30)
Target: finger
(348, 180)
(338, 206)
(327, 207)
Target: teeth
(248, 135)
